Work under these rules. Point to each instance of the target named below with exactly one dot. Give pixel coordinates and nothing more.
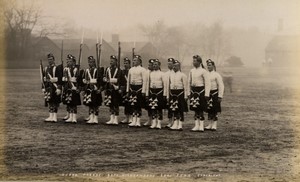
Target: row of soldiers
(135, 88)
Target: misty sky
(115, 15)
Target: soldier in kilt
(53, 86)
(155, 93)
(150, 69)
(199, 85)
(93, 81)
(166, 78)
(72, 92)
(125, 103)
(64, 88)
(177, 95)
(216, 95)
(112, 79)
(136, 89)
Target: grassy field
(257, 137)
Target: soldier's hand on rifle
(58, 92)
(104, 79)
(53, 80)
(98, 91)
(84, 81)
(206, 98)
(43, 90)
(186, 99)
(120, 91)
(219, 99)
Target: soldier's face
(50, 61)
(210, 67)
(113, 62)
(176, 67)
(170, 65)
(156, 66)
(150, 66)
(91, 63)
(126, 64)
(69, 62)
(135, 62)
(196, 63)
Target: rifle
(98, 51)
(119, 54)
(80, 51)
(62, 54)
(42, 74)
(133, 54)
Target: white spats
(208, 127)
(50, 118)
(201, 127)
(158, 125)
(214, 126)
(70, 119)
(91, 120)
(175, 125)
(196, 127)
(111, 121)
(153, 125)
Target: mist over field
(255, 43)
(219, 30)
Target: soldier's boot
(115, 121)
(126, 120)
(50, 118)
(138, 122)
(214, 126)
(170, 123)
(74, 119)
(158, 125)
(208, 127)
(70, 119)
(86, 119)
(148, 123)
(201, 123)
(67, 116)
(180, 126)
(175, 125)
(196, 127)
(54, 119)
(153, 124)
(95, 119)
(111, 121)
(133, 123)
(130, 119)
(91, 120)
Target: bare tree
(156, 34)
(20, 20)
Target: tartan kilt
(136, 99)
(112, 98)
(156, 99)
(213, 105)
(50, 96)
(71, 97)
(197, 100)
(92, 98)
(177, 103)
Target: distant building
(145, 49)
(41, 46)
(72, 46)
(283, 50)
